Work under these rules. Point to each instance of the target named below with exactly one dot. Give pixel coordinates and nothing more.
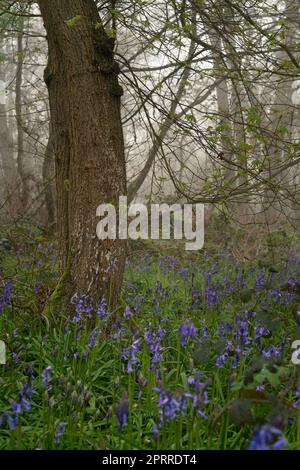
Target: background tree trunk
(48, 177)
(9, 175)
(82, 79)
(24, 191)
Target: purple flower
(222, 359)
(101, 311)
(12, 421)
(128, 313)
(268, 438)
(37, 287)
(187, 330)
(60, 430)
(122, 412)
(155, 432)
(7, 292)
(153, 340)
(6, 298)
(17, 408)
(298, 318)
(271, 352)
(169, 406)
(46, 375)
(132, 352)
(94, 338)
(83, 307)
(261, 332)
(25, 404)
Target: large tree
(84, 95)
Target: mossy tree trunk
(84, 94)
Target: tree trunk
(8, 164)
(9, 183)
(24, 192)
(223, 107)
(48, 176)
(281, 125)
(84, 94)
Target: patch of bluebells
(268, 437)
(273, 352)
(278, 296)
(171, 405)
(18, 407)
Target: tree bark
(9, 184)
(281, 126)
(84, 94)
(8, 164)
(48, 177)
(24, 192)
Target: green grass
(88, 386)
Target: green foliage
(91, 375)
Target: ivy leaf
(266, 375)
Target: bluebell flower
(128, 313)
(101, 311)
(13, 421)
(187, 330)
(83, 307)
(169, 406)
(46, 375)
(153, 340)
(132, 351)
(122, 412)
(272, 352)
(25, 404)
(298, 318)
(155, 432)
(37, 288)
(94, 338)
(16, 358)
(222, 359)
(60, 430)
(17, 408)
(6, 298)
(261, 331)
